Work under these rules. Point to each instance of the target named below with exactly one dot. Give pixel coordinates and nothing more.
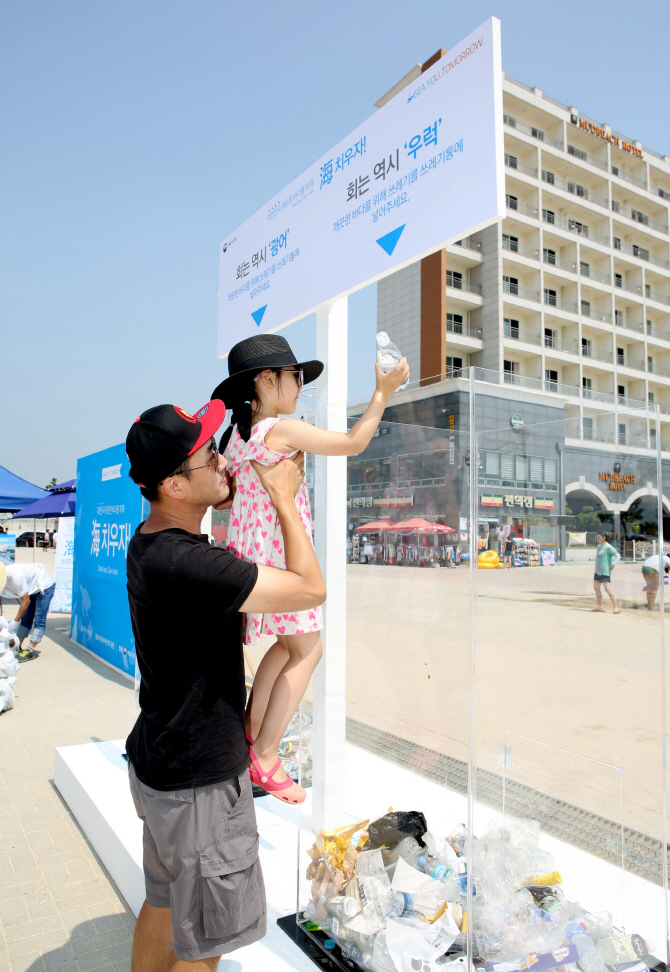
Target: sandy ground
(584, 689)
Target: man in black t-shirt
(188, 758)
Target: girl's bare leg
(304, 652)
(610, 593)
(599, 597)
(267, 672)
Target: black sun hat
(259, 352)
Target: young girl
(265, 381)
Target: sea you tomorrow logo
(446, 68)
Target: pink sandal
(263, 778)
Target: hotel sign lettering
(617, 480)
(614, 139)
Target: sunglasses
(212, 463)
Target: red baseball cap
(164, 436)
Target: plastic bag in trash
(8, 640)
(6, 693)
(390, 829)
(9, 664)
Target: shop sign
(617, 480)
(614, 139)
(368, 502)
(576, 539)
(520, 500)
(516, 421)
(424, 169)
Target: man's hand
(392, 380)
(282, 481)
(13, 626)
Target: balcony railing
(469, 244)
(532, 252)
(539, 134)
(626, 361)
(638, 217)
(629, 324)
(525, 209)
(555, 261)
(468, 330)
(575, 189)
(529, 337)
(598, 275)
(458, 284)
(587, 157)
(574, 226)
(597, 354)
(561, 302)
(513, 163)
(656, 332)
(557, 387)
(633, 180)
(525, 292)
(642, 253)
(594, 314)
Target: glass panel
(568, 740)
(406, 694)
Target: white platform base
(93, 780)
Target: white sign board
(62, 599)
(424, 170)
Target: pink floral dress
(254, 533)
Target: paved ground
(59, 910)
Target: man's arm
(301, 585)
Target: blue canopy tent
(15, 492)
(59, 501)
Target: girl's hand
(390, 382)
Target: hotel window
(620, 356)
(510, 242)
(586, 388)
(622, 433)
(549, 256)
(548, 177)
(651, 398)
(548, 216)
(455, 279)
(587, 425)
(618, 280)
(511, 327)
(576, 227)
(650, 364)
(508, 120)
(621, 394)
(647, 290)
(616, 206)
(615, 170)
(537, 133)
(619, 318)
(455, 323)
(664, 194)
(511, 371)
(616, 243)
(652, 438)
(639, 217)
(578, 154)
(649, 327)
(584, 268)
(578, 190)
(586, 308)
(640, 252)
(511, 285)
(586, 347)
(511, 161)
(550, 296)
(511, 201)
(551, 379)
(454, 367)
(550, 338)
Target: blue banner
(109, 508)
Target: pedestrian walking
(651, 574)
(607, 557)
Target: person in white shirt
(34, 588)
(650, 572)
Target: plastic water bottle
(400, 904)
(435, 869)
(388, 355)
(590, 959)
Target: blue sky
(137, 135)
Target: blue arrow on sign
(389, 242)
(258, 314)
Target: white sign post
(424, 170)
(62, 599)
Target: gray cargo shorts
(201, 861)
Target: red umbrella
(374, 526)
(418, 525)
